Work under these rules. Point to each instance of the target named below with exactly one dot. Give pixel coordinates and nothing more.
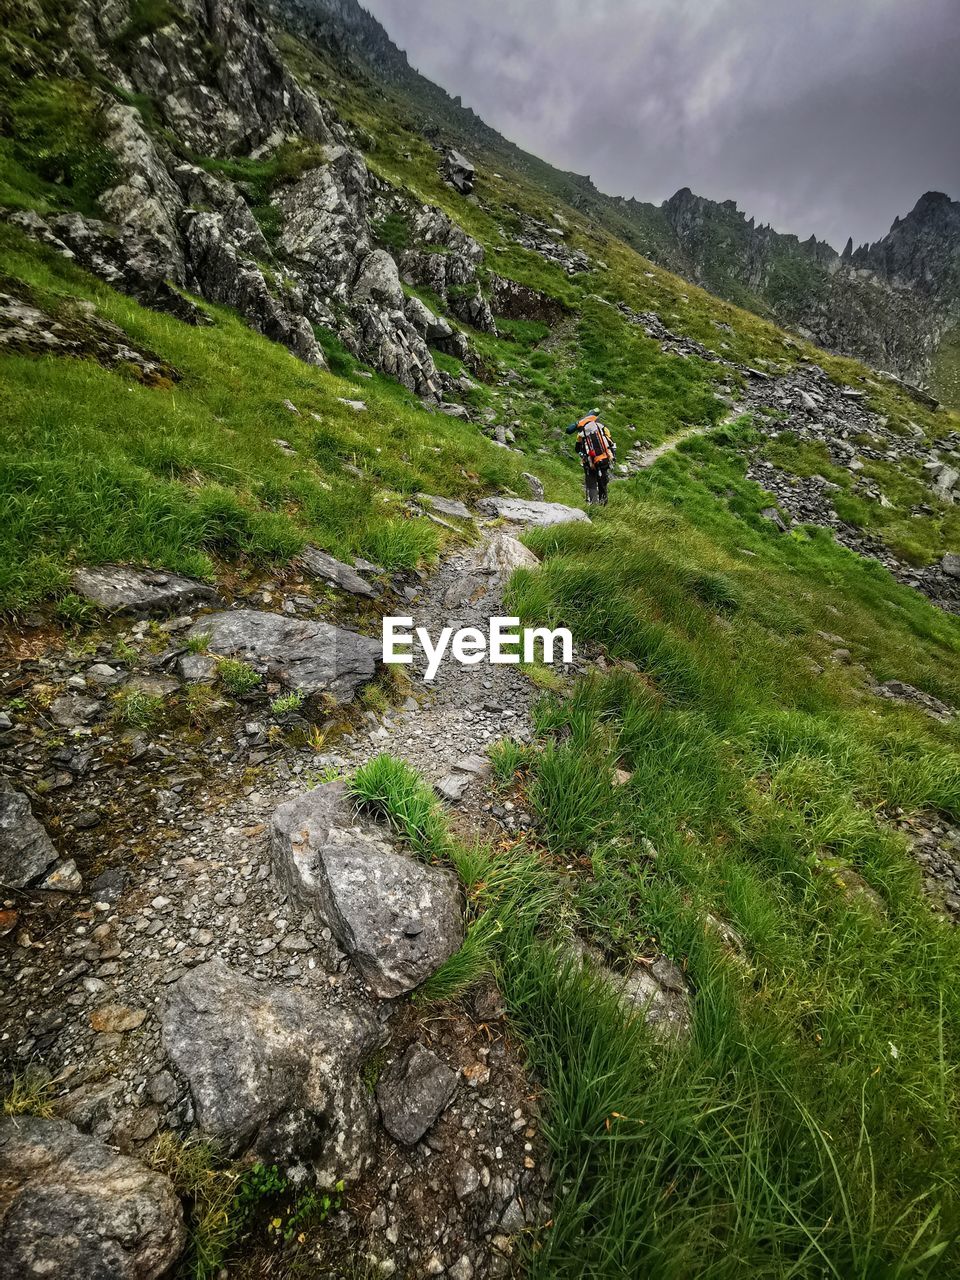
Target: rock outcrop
(73, 1208)
(26, 851)
(397, 918)
(172, 227)
(274, 1069)
(123, 589)
(314, 657)
(527, 512)
(322, 565)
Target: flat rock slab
(72, 1208)
(413, 1092)
(121, 589)
(26, 851)
(397, 918)
(503, 554)
(900, 691)
(524, 511)
(324, 566)
(315, 657)
(274, 1070)
(446, 506)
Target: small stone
(64, 878)
(295, 942)
(117, 1017)
(465, 1179)
(452, 787)
(413, 1091)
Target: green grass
(807, 1127)
(237, 677)
(137, 709)
(393, 790)
(98, 467)
(29, 1093)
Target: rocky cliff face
(177, 223)
(889, 303)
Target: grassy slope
(98, 467)
(810, 1126)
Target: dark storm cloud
(824, 116)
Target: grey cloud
(818, 117)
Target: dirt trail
(194, 880)
(649, 456)
(195, 883)
(464, 708)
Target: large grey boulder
(145, 198)
(426, 322)
(945, 478)
(459, 172)
(74, 1209)
(26, 851)
(378, 280)
(950, 564)
(412, 1093)
(274, 1070)
(315, 657)
(396, 917)
(338, 574)
(225, 274)
(524, 511)
(122, 589)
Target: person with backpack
(597, 452)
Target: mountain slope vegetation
(894, 304)
(244, 311)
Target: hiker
(597, 452)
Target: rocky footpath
(233, 955)
(230, 944)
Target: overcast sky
(824, 116)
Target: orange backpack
(596, 442)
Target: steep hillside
(894, 304)
(644, 962)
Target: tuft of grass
(201, 706)
(509, 759)
(397, 543)
(137, 709)
(468, 966)
(198, 644)
(211, 1191)
(284, 703)
(392, 789)
(73, 610)
(30, 1093)
(237, 676)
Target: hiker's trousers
(595, 481)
